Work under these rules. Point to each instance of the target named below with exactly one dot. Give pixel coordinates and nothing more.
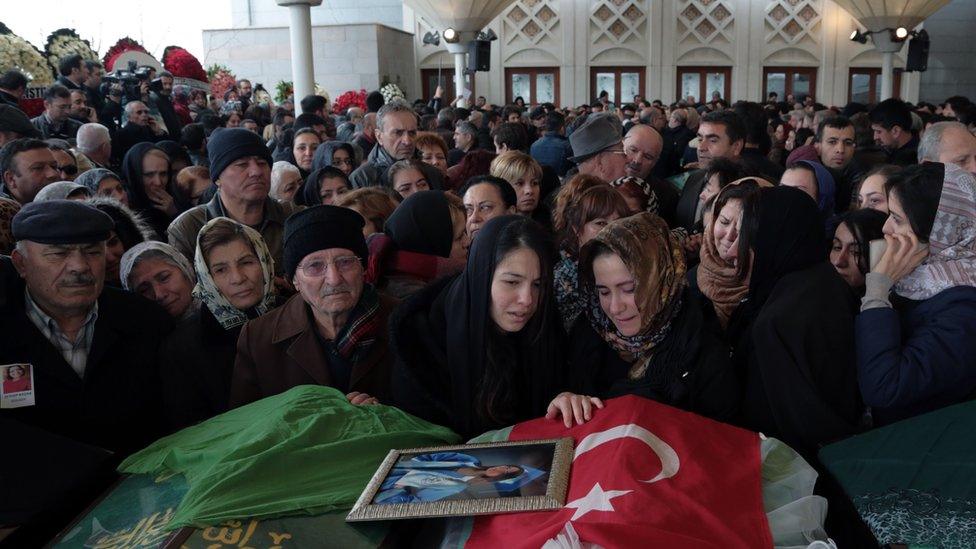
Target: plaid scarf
(359, 334)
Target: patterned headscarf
(644, 186)
(718, 279)
(206, 289)
(656, 261)
(952, 243)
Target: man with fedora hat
(89, 349)
(598, 147)
(333, 331)
(240, 166)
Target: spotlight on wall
(488, 35)
(451, 36)
(858, 36)
(432, 38)
(899, 34)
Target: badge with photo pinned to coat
(16, 385)
(467, 480)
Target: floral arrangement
(391, 91)
(221, 80)
(64, 42)
(17, 53)
(183, 64)
(349, 99)
(283, 90)
(123, 45)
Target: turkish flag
(645, 475)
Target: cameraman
(161, 98)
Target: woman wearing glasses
(338, 154)
(67, 164)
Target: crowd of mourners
(801, 270)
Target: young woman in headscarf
(576, 223)
(129, 231)
(102, 182)
(644, 331)
(483, 349)
(849, 248)
(235, 283)
(788, 316)
(160, 273)
(323, 186)
(422, 241)
(916, 348)
(338, 154)
(146, 171)
(814, 179)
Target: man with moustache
(396, 133)
(333, 331)
(90, 348)
(240, 166)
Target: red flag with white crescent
(645, 475)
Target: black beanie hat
(320, 228)
(228, 144)
(374, 101)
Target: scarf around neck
(656, 261)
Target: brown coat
(280, 350)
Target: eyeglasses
(69, 169)
(318, 268)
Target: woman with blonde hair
(524, 174)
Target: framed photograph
(469, 479)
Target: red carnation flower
(123, 45)
(182, 63)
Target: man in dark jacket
(333, 332)
(553, 149)
(162, 98)
(72, 72)
(891, 122)
(89, 350)
(13, 84)
(721, 134)
(396, 131)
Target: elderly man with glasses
(333, 331)
(598, 147)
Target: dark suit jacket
(117, 404)
(281, 350)
(684, 215)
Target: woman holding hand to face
(916, 347)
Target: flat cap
(600, 131)
(13, 119)
(61, 222)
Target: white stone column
(459, 50)
(300, 30)
(887, 48)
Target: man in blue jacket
(553, 149)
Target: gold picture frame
(468, 479)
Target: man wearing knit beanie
(333, 331)
(240, 167)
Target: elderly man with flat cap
(89, 349)
(598, 147)
(333, 331)
(240, 166)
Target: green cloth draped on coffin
(305, 451)
(914, 482)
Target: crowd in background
(803, 270)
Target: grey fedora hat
(599, 132)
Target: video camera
(126, 82)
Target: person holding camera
(161, 96)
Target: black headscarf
(465, 306)
(310, 193)
(788, 237)
(138, 199)
(422, 223)
(323, 154)
(132, 175)
(176, 153)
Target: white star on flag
(597, 500)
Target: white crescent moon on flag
(669, 458)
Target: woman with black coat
(234, 284)
(146, 172)
(644, 332)
(789, 316)
(483, 349)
